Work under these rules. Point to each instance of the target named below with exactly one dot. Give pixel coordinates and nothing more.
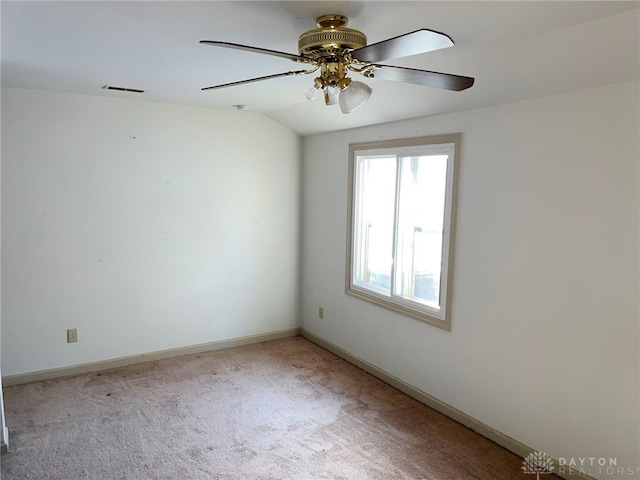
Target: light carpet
(285, 409)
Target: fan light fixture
(337, 87)
(327, 45)
(334, 50)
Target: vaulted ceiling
(514, 50)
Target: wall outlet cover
(72, 335)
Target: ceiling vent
(122, 89)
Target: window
(400, 225)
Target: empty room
(362, 240)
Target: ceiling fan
(334, 50)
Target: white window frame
(440, 317)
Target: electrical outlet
(72, 335)
(320, 313)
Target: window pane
(374, 222)
(400, 225)
(423, 181)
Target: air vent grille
(122, 89)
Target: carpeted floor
(285, 409)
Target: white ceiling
(515, 50)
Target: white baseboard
(501, 439)
(145, 357)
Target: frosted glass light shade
(354, 96)
(331, 95)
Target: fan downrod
(332, 21)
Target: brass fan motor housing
(331, 38)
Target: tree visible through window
(400, 225)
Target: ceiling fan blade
(447, 81)
(237, 46)
(420, 41)
(258, 79)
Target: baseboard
(145, 357)
(501, 439)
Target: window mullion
(396, 214)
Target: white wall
(544, 344)
(4, 430)
(146, 226)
